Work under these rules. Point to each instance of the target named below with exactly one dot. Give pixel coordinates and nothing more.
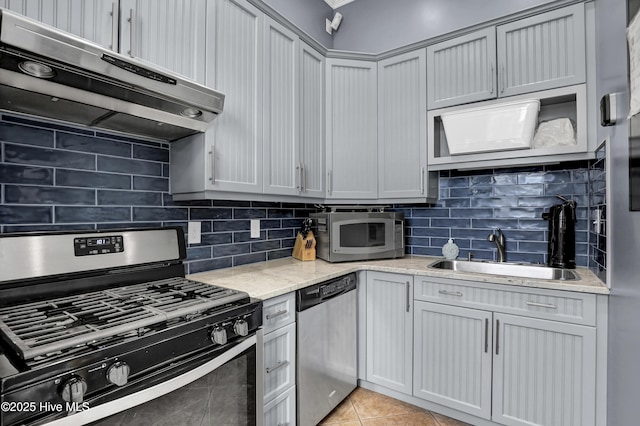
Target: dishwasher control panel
(316, 294)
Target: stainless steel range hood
(53, 74)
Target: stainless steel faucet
(500, 244)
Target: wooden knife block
(305, 248)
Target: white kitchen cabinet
(90, 19)
(462, 70)
(543, 372)
(282, 410)
(280, 108)
(542, 52)
(312, 128)
(452, 357)
(389, 330)
(233, 151)
(352, 137)
(279, 359)
(167, 33)
(228, 156)
(402, 129)
(513, 356)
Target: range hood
(53, 74)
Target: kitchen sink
(523, 270)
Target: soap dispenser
(450, 250)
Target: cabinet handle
(303, 177)
(279, 365)
(114, 26)
(132, 33)
(450, 293)
(503, 80)
(283, 424)
(422, 171)
(486, 335)
(542, 305)
(497, 337)
(491, 78)
(298, 178)
(330, 179)
(408, 296)
(277, 314)
(212, 153)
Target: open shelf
(567, 102)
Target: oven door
(225, 390)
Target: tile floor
(364, 407)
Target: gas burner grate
(50, 326)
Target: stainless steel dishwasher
(327, 347)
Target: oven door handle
(112, 407)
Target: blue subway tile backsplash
(57, 177)
(471, 206)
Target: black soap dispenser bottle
(562, 234)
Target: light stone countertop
(269, 279)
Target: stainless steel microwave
(349, 236)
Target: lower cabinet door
(282, 410)
(279, 361)
(389, 330)
(452, 357)
(543, 372)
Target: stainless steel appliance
(562, 234)
(54, 74)
(103, 326)
(327, 349)
(358, 233)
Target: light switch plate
(255, 228)
(194, 232)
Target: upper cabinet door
(312, 140)
(402, 127)
(234, 66)
(280, 100)
(167, 33)
(352, 136)
(90, 19)
(542, 52)
(462, 69)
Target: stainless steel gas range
(103, 327)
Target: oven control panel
(88, 246)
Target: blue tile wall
(598, 214)
(55, 177)
(473, 204)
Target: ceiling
(337, 3)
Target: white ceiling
(337, 3)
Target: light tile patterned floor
(364, 407)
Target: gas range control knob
(118, 373)
(219, 336)
(241, 327)
(73, 389)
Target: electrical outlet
(194, 232)
(255, 228)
